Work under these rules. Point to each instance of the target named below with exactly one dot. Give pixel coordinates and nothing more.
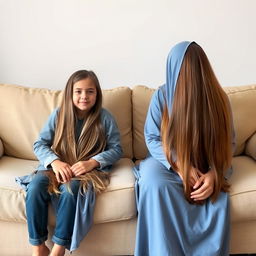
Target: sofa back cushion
(141, 96)
(250, 148)
(243, 104)
(24, 110)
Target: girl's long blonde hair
(91, 140)
(198, 130)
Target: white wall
(124, 41)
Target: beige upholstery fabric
(239, 96)
(1, 148)
(115, 238)
(117, 203)
(28, 114)
(243, 189)
(250, 148)
(243, 103)
(32, 108)
(118, 102)
(141, 96)
(14, 239)
(243, 238)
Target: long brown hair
(198, 130)
(91, 140)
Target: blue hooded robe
(167, 224)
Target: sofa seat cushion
(116, 203)
(243, 189)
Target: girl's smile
(84, 96)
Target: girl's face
(84, 96)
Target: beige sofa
(24, 110)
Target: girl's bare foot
(58, 250)
(40, 250)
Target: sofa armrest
(1, 148)
(250, 148)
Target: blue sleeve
(42, 146)
(152, 128)
(113, 150)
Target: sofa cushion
(243, 189)
(243, 103)
(31, 107)
(116, 203)
(250, 148)
(118, 102)
(141, 96)
(1, 148)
